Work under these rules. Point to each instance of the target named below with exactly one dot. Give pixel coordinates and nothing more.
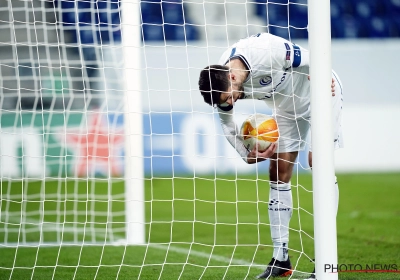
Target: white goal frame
(134, 169)
(323, 162)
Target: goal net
(83, 195)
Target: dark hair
(212, 82)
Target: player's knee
(281, 173)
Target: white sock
(280, 209)
(337, 195)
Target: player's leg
(280, 209)
(293, 134)
(280, 206)
(337, 104)
(336, 198)
(292, 139)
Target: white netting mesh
(62, 144)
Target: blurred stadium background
(55, 56)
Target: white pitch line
(67, 229)
(204, 255)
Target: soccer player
(276, 71)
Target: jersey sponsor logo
(282, 80)
(265, 81)
(269, 95)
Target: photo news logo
(356, 267)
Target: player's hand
(256, 156)
(332, 86)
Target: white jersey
(278, 73)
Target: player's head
(213, 81)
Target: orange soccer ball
(259, 129)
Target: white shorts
(294, 133)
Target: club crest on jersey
(265, 81)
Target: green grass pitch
(197, 228)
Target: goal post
(134, 171)
(322, 145)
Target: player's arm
(231, 133)
(298, 56)
(286, 54)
